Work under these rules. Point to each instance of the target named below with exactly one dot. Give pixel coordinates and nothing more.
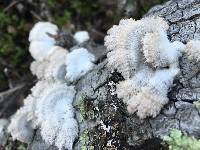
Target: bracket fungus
(141, 51)
(49, 107)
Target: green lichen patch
(84, 140)
(87, 109)
(179, 141)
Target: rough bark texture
(103, 119)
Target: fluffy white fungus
(78, 63)
(40, 32)
(192, 50)
(153, 96)
(129, 88)
(20, 128)
(124, 43)
(159, 51)
(81, 36)
(53, 66)
(3, 123)
(3, 135)
(55, 115)
(49, 106)
(39, 50)
(40, 41)
(133, 44)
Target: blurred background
(17, 18)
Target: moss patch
(179, 141)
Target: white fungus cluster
(3, 135)
(192, 50)
(142, 53)
(51, 67)
(81, 36)
(49, 106)
(40, 41)
(81, 64)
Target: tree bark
(103, 119)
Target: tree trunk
(103, 119)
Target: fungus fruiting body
(81, 36)
(133, 45)
(20, 128)
(49, 106)
(52, 66)
(139, 50)
(78, 63)
(192, 50)
(124, 43)
(40, 41)
(55, 115)
(41, 30)
(162, 53)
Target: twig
(8, 92)
(35, 15)
(11, 5)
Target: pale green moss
(84, 140)
(86, 108)
(179, 141)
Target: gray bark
(103, 118)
